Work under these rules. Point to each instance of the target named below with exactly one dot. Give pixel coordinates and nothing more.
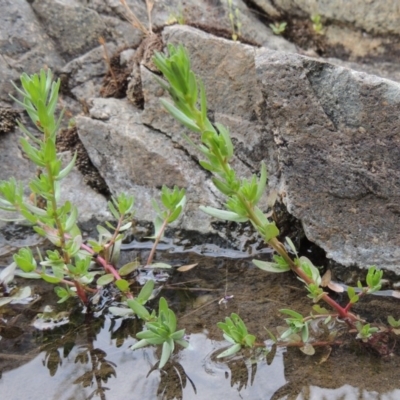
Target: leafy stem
(216, 146)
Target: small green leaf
(50, 279)
(178, 335)
(146, 291)
(270, 231)
(223, 214)
(122, 285)
(140, 344)
(105, 280)
(305, 333)
(61, 292)
(138, 309)
(128, 268)
(320, 310)
(28, 275)
(175, 214)
(182, 343)
(113, 210)
(63, 173)
(222, 186)
(291, 245)
(270, 266)
(180, 116)
(104, 232)
(292, 313)
(230, 351)
(165, 354)
(159, 266)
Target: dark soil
(68, 140)
(116, 79)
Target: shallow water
(89, 358)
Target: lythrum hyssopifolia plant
(69, 265)
(189, 107)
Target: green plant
(365, 331)
(142, 298)
(235, 332)
(278, 27)
(70, 264)
(189, 107)
(234, 18)
(160, 330)
(317, 24)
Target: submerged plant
(189, 107)
(235, 332)
(161, 330)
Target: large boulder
(233, 95)
(24, 45)
(136, 160)
(329, 136)
(337, 144)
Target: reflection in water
(93, 361)
(90, 357)
(85, 363)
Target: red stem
(81, 293)
(343, 312)
(108, 267)
(156, 241)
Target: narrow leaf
(128, 268)
(223, 214)
(230, 351)
(180, 116)
(166, 353)
(270, 266)
(105, 279)
(122, 285)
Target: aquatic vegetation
(243, 196)
(235, 332)
(161, 330)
